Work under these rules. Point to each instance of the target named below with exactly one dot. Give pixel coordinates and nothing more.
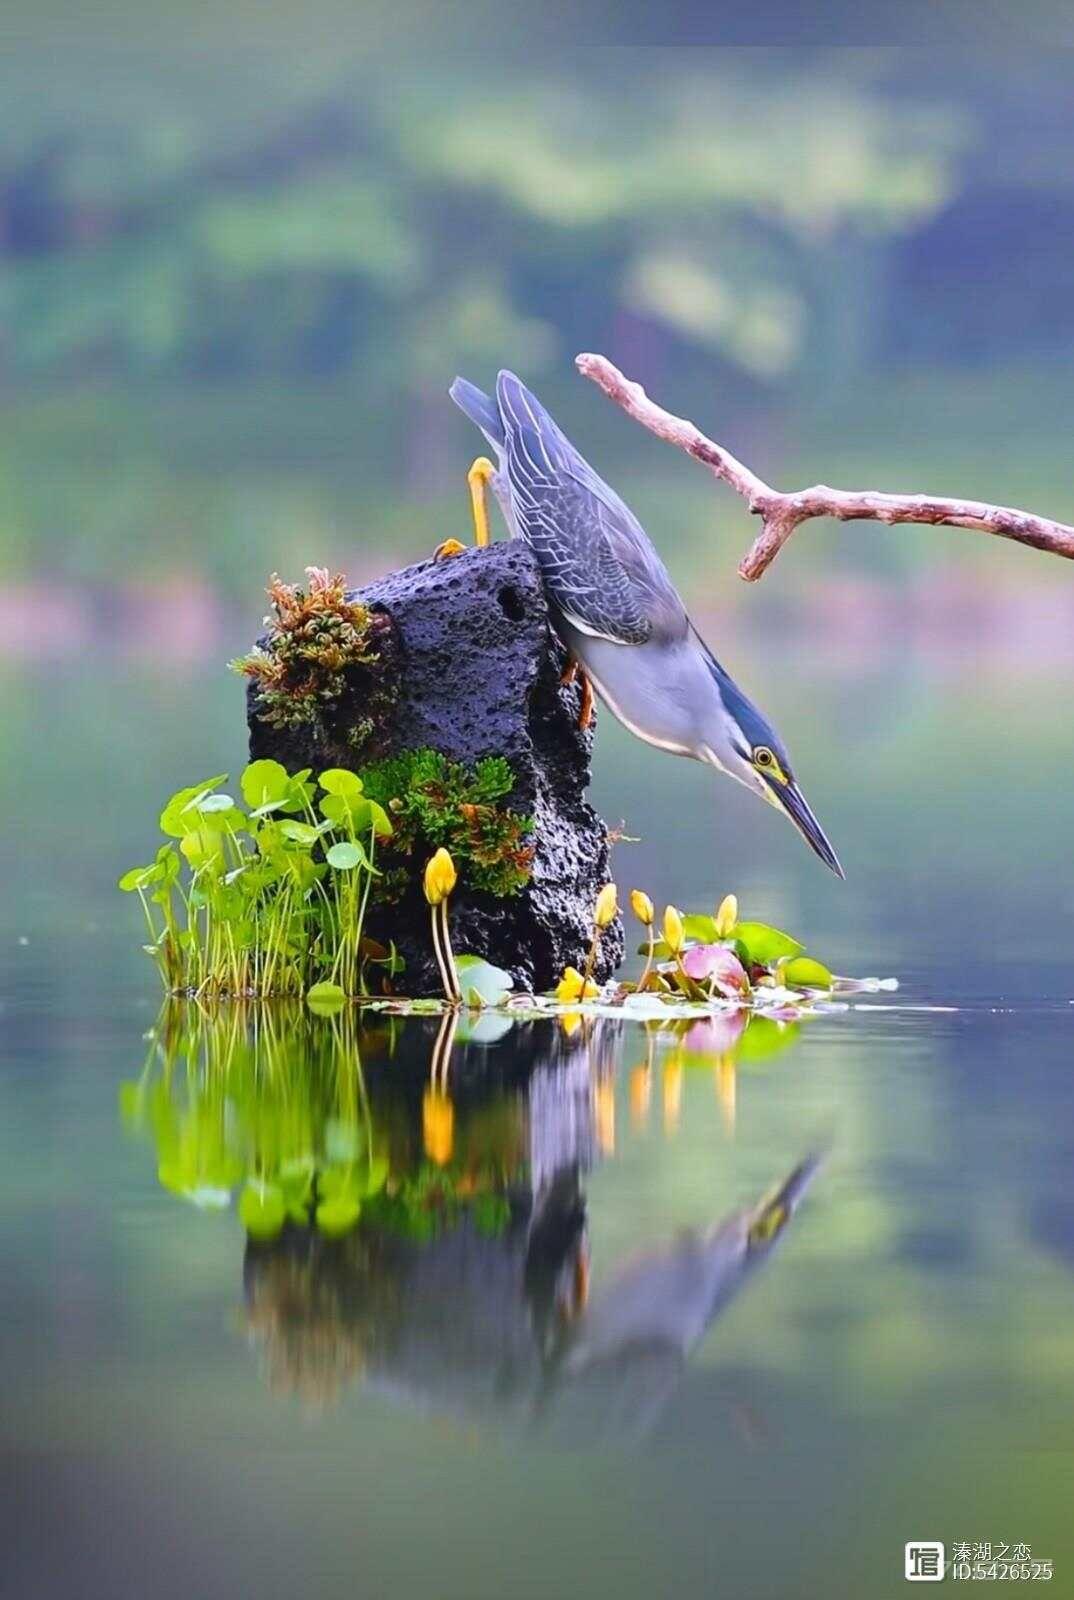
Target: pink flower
(715, 1035)
(717, 965)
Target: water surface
(416, 1409)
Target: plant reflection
(412, 1194)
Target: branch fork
(782, 513)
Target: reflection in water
(414, 1206)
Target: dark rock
(472, 668)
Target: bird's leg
(585, 712)
(481, 473)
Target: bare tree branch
(780, 513)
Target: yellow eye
(763, 756)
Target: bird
(614, 605)
(621, 1359)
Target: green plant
(266, 1110)
(273, 898)
(702, 956)
(437, 804)
(315, 635)
(270, 897)
(273, 1116)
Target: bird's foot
(481, 473)
(450, 547)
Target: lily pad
(764, 945)
(488, 985)
(802, 972)
(325, 998)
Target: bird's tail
(480, 408)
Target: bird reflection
(622, 1359)
(431, 1239)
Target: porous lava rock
(469, 665)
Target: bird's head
(748, 748)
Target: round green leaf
(345, 856)
(180, 815)
(325, 998)
(337, 780)
(139, 878)
(299, 832)
(262, 1210)
(765, 1038)
(337, 1217)
(264, 783)
(379, 820)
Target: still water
(578, 1342)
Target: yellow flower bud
(607, 906)
(572, 986)
(673, 931)
(438, 1126)
(440, 877)
(642, 907)
(726, 916)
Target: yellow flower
(641, 1080)
(672, 1087)
(673, 931)
(572, 986)
(726, 916)
(440, 877)
(438, 1126)
(607, 906)
(604, 1116)
(642, 907)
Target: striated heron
(615, 607)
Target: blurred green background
(236, 280)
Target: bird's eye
(763, 756)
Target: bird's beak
(789, 798)
(777, 1208)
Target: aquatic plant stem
(644, 979)
(435, 924)
(370, 874)
(590, 959)
(444, 953)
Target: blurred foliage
(180, 231)
(232, 294)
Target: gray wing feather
(598, 564)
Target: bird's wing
(598, 564)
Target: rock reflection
(414, 1202)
